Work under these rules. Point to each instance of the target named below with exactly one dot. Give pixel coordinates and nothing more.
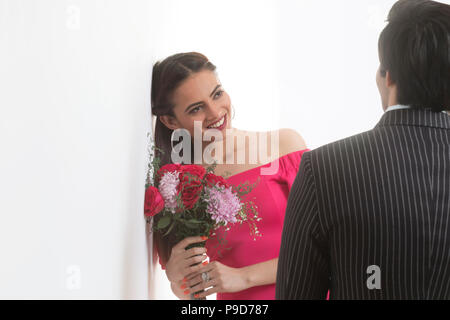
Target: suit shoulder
(344, 145)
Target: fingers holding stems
(182, 261)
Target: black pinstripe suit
(380, 198)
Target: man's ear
(392, 90)
(389, 81)
(170, 122)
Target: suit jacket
(368, 217)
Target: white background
(75, 111)
(75, 95)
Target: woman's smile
(220, 124)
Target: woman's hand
(221, 278)
(182, 262)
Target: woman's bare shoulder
(290, 141)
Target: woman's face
(200, 98)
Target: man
(368, 217)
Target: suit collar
(414, 117)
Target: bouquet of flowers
(189, 200)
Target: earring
(234, 113)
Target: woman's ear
(170, 122)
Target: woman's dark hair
(167, 76)
(415, 48)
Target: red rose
(212, 180)
(171, 167)
(154, 202)
(193, 170)
(191, 184)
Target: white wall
(74, 113)
(329, 54)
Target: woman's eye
(219, 93)
(194, 110)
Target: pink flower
(171, 167)
(223, 204)
(168, 186)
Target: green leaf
(170, 229)
(194, 221)
(191, 225)
(164, 222)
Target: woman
(186, 89)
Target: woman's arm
(228, 279)
(260, 274)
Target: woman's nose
(212, 112)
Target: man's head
(414, 51)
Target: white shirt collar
(397, 107)
(402, 107)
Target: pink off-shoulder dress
(270, 196)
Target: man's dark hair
(415, 48)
